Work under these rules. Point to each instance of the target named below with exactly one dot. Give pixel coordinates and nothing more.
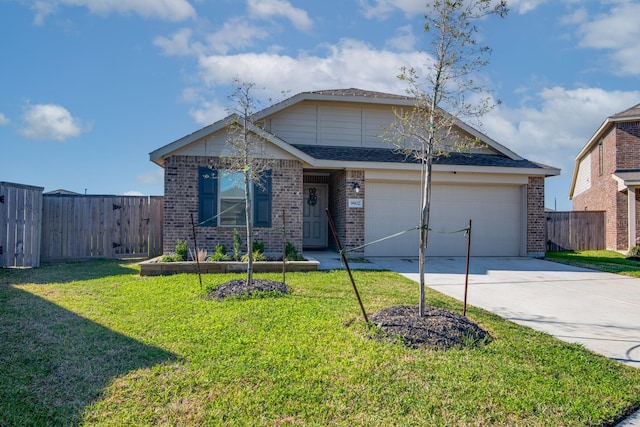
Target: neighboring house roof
(319, 155)
(629, 115)
(61, 191)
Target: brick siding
(620, 150)
(181, 200)
(536, 219)
(349, 222)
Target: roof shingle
(386, 155)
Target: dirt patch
(240, 288)
(438, 328)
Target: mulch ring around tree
(239, 288)
(438, 328)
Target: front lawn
(96, 344)
(609, 261)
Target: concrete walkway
(596, 309)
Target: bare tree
(247, 152)
(447, 93)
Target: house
(606, 177)
(325, 153)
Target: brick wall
(349, 222)
(181, 200)
(536, 219)
(620, 150)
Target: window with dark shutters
(209, 193)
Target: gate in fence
(81, 227)
(20, 225)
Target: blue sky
(89, 87)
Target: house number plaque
(356, 203)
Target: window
(232, 205)
(221, 198)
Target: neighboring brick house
(325, 154)
(607, 175)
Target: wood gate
(81, 227)
(20, 219)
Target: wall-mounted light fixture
(356, 187)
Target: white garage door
(495, 210)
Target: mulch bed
(438, 328)
(239, 288)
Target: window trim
(209, 199)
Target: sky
(88, 88)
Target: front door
(314, 221)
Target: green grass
(96, 344)
(609, 261)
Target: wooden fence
(20, 225)
(584, 230)
(81, 227)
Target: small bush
(220, 254)
(634, 251)
(169, 258)
(258, 246)
(237, 245)
(182, 252)
(200, 255)
(257, 256)
(291, 253)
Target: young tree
(448, 92)
(247, 156)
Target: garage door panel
(496, 212)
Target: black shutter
(262, 201)
(207, 196)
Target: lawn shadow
(67, 271)
(55, 363)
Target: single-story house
(326, 152)
(606, 177)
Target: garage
(496, 212)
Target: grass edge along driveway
(95, 344)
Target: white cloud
(404, 41)
(133, 193)
(4, 120)
(524, 6)
(617, 31)
(341, 67)
(179, 43)
(152, 177)
(559, 126)
(51, 122)
(381, 9)
(236, 33)
(170, 10)
(265, 9)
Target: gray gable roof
(359, 93)
(387, 155)
(629, 113)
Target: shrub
(237, 245)
(181, 250)
(291, 253)
(258, 246)
(634, 251)
(220, 254)
(257, 256)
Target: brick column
(536, 220)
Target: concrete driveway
(599, 310)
